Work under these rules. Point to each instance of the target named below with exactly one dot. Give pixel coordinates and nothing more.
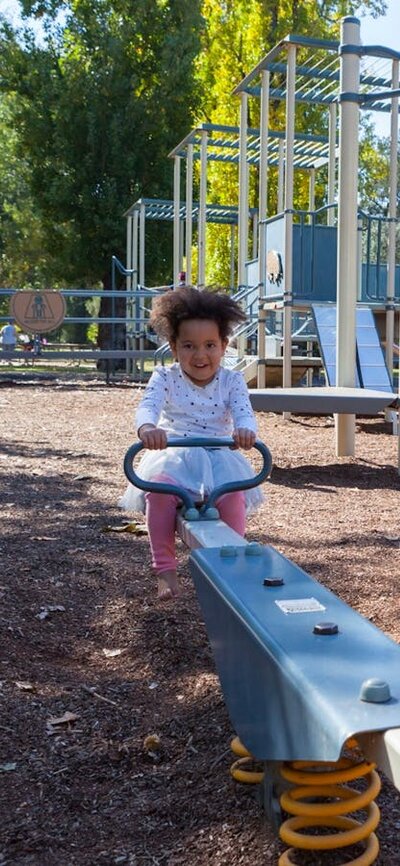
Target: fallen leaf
(66, 719)
(153, 748)
(134, 528)
(42, 538)
(111, 653)
(152, 743)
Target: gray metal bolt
(375, 691)
(228, 550)
(253, 549)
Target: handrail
(191, 511)
(161, 353)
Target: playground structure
(183, 214)
(282, 645)
(306, 256)
(281, 642)
(299, 257)
(319, 85)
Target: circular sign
(38, 312)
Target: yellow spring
(242, 769)
(326, 780)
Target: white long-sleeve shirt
(181, 408)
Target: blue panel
(325, 325)
(291, 694)
(376, 289)
(314, 262)
(330, 370)
(371, 360)
(369, 355)
(371, 372)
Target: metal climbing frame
(324, 75)
(240, 146)
(182, 214)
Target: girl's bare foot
(168, 585)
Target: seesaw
(312, 688)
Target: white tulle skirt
(197, 470)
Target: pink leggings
(161, 520)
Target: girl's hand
(244, 438)
(152, 437)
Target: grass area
(61, 368)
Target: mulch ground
(92, 664)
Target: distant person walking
(8, 335)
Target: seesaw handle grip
(197, 442)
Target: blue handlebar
(194, 442)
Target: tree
(99, 102)
(21, 236)
(237, 34)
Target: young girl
(195, 396)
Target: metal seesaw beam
(292, 691)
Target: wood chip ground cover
(114, 737)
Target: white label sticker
(299, 605)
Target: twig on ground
(219, 759)
(95, 694)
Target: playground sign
(38, 312)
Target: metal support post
(243, 215)
(281, 175)
(332, 163)
(201, 267)
(142, 244)
(189, 213)
(347, 228)
(288, 268)
(263, 213)
(128, 284)
(177, 204)
(311, 194)
(391, 258)
(232, 257)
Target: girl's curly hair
(176, 306)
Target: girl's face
(199, 349)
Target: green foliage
(90, 110)
(237, 34)
(97, 106)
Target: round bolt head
(273, 581)
(228, 550)
(191, 514)
(211, 514)
(253, 548)
(375, 691)
(325, 628)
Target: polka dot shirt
(181, 408)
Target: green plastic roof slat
(162, 209)
(320, 85)
(291, 39)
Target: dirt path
(82, 633)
